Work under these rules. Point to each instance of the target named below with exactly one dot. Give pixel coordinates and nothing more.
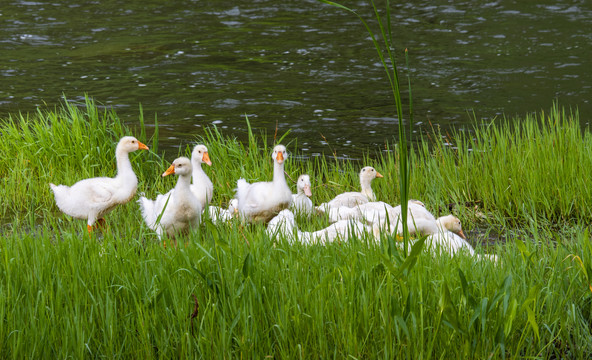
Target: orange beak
(141, 146)
(461, 234)
(206, 159)
(378, 174)
(307, 191)
(280, 158)
(170, 170)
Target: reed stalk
(386, 54)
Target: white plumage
(202, 186)
(179, 209)
(219, 214)
(285, 224)
(354, 198)
(261, 201)
(301, 202)
(93, 198)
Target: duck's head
(181, 166)
(233, 206)
(279, 154)
(368, 173)
(452, 223)
(200, 155)
(303, 185)
(130, 144)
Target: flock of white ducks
(176, 212)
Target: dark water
(303, 65)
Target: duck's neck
(442, 225)
(198, 172)
(124, 166)
(278, 174)
(183, 183)
(366, 185)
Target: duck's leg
(90, 222)
(101, 223)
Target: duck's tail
(148, 211)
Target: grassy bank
(231, 291)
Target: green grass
(524, 169)
(120, 294)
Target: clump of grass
(529, 169)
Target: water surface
(302, 66)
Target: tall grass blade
(393, 78)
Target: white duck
(383, 214)
(219, 214)
(430, 227)
(450, 242)
(377, 212)
(301, 202)
(93, 198)
(263, 200)
(354, 198)
(450, 238)
(202, 186)
(285, 224)
(179, 207)
(421, 220)
(340, 213)
(341, 230)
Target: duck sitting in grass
(284, 224)
(261, 201)
(301, 202)
(218, 214)
(354, 198)
(93, 198)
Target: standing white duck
(202, 186)
(354, 198)
(179, 207)
(93, 198)
(261, 201)
(301, 202)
